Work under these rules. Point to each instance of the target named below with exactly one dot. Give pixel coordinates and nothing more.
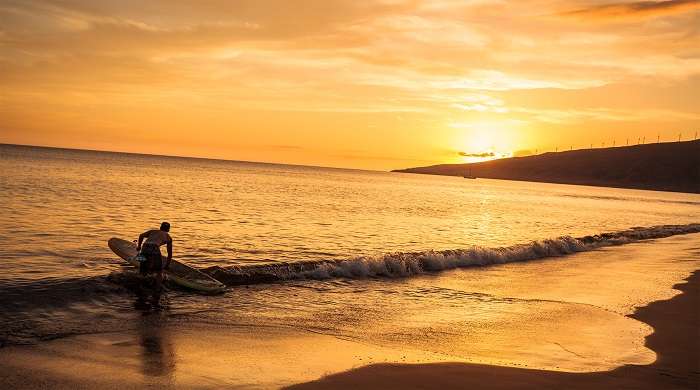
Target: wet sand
(162, 355)
(676, 341)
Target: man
(151, 251)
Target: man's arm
(141, 237)
(170, 252)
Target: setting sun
(485, 140)
(363, 84)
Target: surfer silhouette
(151, 252)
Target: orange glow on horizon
(374, 84)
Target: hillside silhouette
(670, 166)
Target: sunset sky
(350, 83)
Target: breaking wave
(47, 309)
(397, 265)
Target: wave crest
(404, 264)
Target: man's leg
(159, 280)
(155, 293)
(144, 271)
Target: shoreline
(561, 182)
(674, 340)
(415, 170)
(634, 167)
(659, 349)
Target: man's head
(165, 227)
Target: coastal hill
(670, 166)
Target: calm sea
(59, 207)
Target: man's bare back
(157, 237)
(151, 251)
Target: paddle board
(179, 273)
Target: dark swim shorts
(154, 261)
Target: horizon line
(192, 157)
(328, 167)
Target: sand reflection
(157, 351)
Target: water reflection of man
(157, 353)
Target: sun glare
(482, 141)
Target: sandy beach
(162, 352)
(675, 341)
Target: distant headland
(669, 166)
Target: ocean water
(319, 237)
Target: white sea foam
(396, 265)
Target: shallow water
(59, 278)
(61, 206)
(564, 314)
